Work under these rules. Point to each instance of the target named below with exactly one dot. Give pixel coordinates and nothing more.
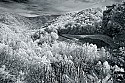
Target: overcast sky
(39, 7)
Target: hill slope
(79, 22)
(113, 22)
(48, 60)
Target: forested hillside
(113, 22)
(47, 49)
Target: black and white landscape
(62, 41)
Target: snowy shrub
(22, 45)
(5, 76)
(2, 47)
(54, 36)
(106, 68)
